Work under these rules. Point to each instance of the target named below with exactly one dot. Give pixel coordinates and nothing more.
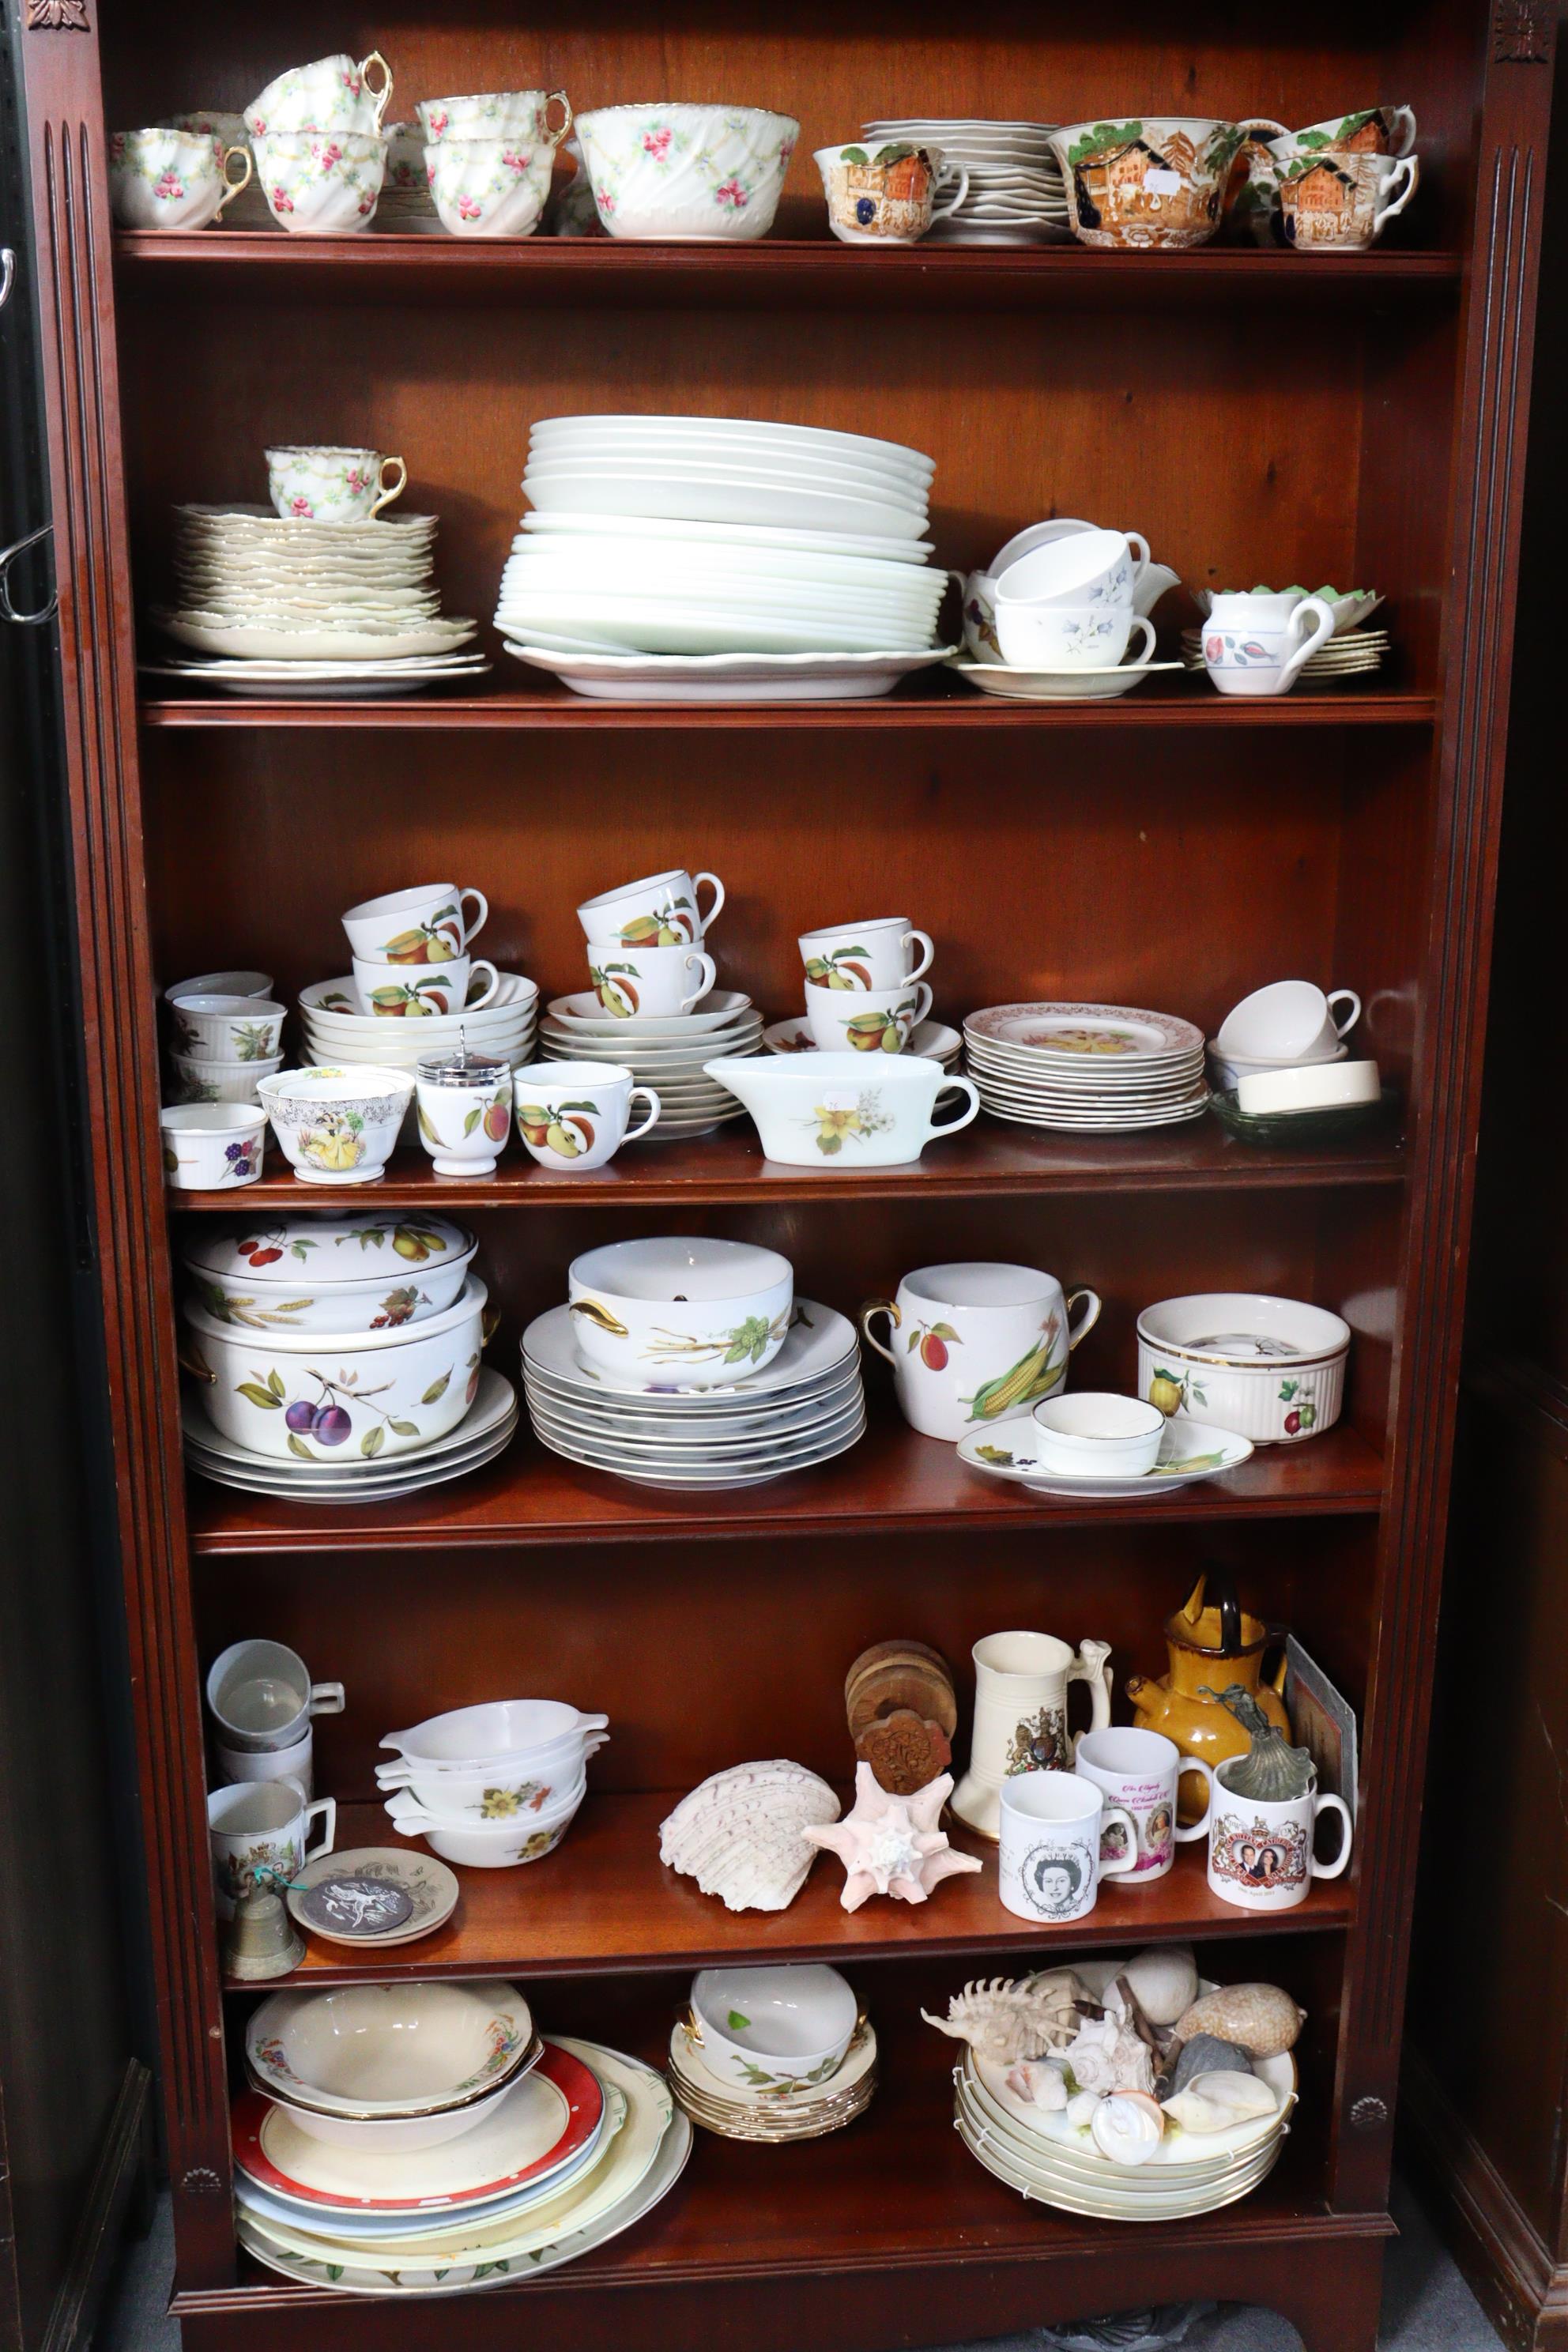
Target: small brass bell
(262, 1938)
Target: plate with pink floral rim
(1087, 1033)
(1190, 1452)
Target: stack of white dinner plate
(663, 1051)
(683, 539)
(1016, 193)
(1091, 1068)
(576, 2148)
(337, 1032)
(323, 606)
(484, 1433)
(803, 1408)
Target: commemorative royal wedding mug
(1260, 1849)
(1138, 1772)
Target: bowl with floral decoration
(337, 1126)
(370, 1272)
(687, 175)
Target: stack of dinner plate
(1015, 194)
(803, 1408)
(484, 1433)
(1086, 1068)
(663, 1051)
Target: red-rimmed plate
(545, 2122)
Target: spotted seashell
(1262, 2018)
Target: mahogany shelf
(989, 1159)
(775, 273)
(603, 1904)
(944, 704)
(893, 1481)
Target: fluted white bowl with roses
(687, 175)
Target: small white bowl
(390, 2135)
(521, 1732)
(222, 1082)
(1320, 1085)
(1230, 1069)
(227, 1028)
(682, 1311)
(402, 2048)
(773, 2030)
(504, 1792)
(211, 1147)
(221, 984)
(1093, 1434)
(483, 1845)
(338, 1125)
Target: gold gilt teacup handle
(874, 1306)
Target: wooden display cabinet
(1257, 414)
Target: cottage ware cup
(774, 2031)
(1095, 1436)
(1261, 1852)
(1335, 203)
(977, 1342)
(490, 187)
(877, 954)
(296, 1765)
(694, 174)
(1149, 181)
(1290, 1021)
(336, 1126)
(263, 1825)
(173, 179)
(699, 1313)
(320, 182)
(401, 992)
(888, 196)
(1371, 131)
(1138, 1772)
(464, 1110)
(333, 94)
(1061, 637)
(865, 1020)
(262, 1698)
(849, 1110)
(573, 1114)
(318, 483)
(659, 912)
(428, 924)
(227, 1028)
(1059, 1838)
(1020, 1715)
(508, 114)
(211, 1147)
(640, 982)
(1245, 653)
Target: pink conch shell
(892, 1845)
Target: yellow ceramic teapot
(1211, 1640)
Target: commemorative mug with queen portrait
(1061, 1836)
(1260, 1850)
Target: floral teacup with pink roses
(171, 179)
(320, 182)
(511, 114)
(319, 484)
(687, 175)
(490, 187)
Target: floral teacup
(490, 187)
(1071, 637)
(320, 182)
(887, 196)
(510, 114)
(316, 483)
(703, 174)
(171, 179)
(333, 94)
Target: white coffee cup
(261, 1696)
(1290, 1022)
(1260, 1852)
(296, 1765)
(976, 1343)
(262, 1825)
(667, 902)
(867, 1020)
(1071, 637)
(415, 991)
(572, 1115)
(1081, 567)
(428, 925)
(1245, 652)
(1055, 1827)
(877, 954)
(639, 982)
(1138, 1772)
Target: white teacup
(317, 483)
(866, 1020)
(877, 954)
(171, 179)
(1138, 1771)
(1247, 651)
(399, 991)
(296, 1765)
(660, 911)
(495, 114)
(573, 1114)
(977, 1343)
(333, 94)
(262, 1698)
(1056, 1828)
(1071, 637)
(637, 981)
(1260, 1852)
(1288, 1022)
(490, 187)
(1095, 1433)
(1081, 567)
(320, 182)
(211, 1147)
(428, 925)
(262, 1825)
(464, 1111)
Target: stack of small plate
(336, 1032)
(930, 1041)
(484, 1431)
(802, 1409)
(665, 1052)
(1089, 1068)
(405, 204)
(1016, 193)
(774, 2116)
(1355, 654)
(323, 606)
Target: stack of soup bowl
(338, 1358)
(222, 1043)
(690, 1364)
(773, 2054)
(493, 1785)
(316, 135)
(487, 159)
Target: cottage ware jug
(1021, 1715)
(1211, 1641)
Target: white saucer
(1190, 1452)
(731, 677)
(1059, 684)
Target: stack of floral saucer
(1353, 650)
(665, 1051)
(774, 2115)
(1086, 1068)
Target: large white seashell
(1212, 2102)
(1108, 2055)
(738, 1833)
(1007, 2018)
(1127, 2126)
(1040, 2080)
(1164, 1981)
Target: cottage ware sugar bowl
(1147, 181)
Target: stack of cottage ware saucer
(691, 1365)
(652, 1008)
(289, 604)
(495, 1785)
(337, 1358)
(423, 2138)
(773, 2054)
(715, 557)
(1015, 194)
(1086, 1068)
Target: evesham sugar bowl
(465, 1110)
